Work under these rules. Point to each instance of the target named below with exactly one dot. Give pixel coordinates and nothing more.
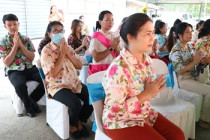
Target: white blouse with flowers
(123, 81)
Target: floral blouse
(76, 43)
(123, 81)
(180, 57)
(161, 40)
(43, 43)
(203, 44)
(66, 78)
(20, 61)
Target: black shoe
(84, 132)
(37, 109)
(31, 114)
(35, 106)
(75, 134)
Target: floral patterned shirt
(203, 44)
(20, 61)
(76, 43)
(180, 56)
(43, 43)
(161, 40)
(67, 77)
(122, 82)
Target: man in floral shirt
(17, 52)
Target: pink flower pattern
(122, 108)
(112, 70)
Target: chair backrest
(41, 73)
(166, 95)
(96, 93)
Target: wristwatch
(110, 49)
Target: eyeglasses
(58, 31)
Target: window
(32, 15)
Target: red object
(93, 68)
(163, 59)
(163, 129)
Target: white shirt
(95, 44)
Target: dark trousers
(19, 79)
(77, 111)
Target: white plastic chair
(17, 102)
(192, 97)
(57, 115)
(179, 112)
(96, 78)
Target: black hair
(132, 25)
(80, 17)
(101, 17)
(205, 31)
(9, 17)
(51, 9)
(199, 24)
(176, 22)
(181, 27)
(157, 22)
(51, 24)
(206, 25)
(172, 37)
(124, 19)
(158, 27)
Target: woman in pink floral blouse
(129, 83)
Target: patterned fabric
(123, 81)
(43, 43)
(56, 17)
(75, 42)
(161, 42)
(180, 56)
(20, 61)
(95, 44)
(67, 77)
(203, 44)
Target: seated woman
(59, 63)
(128, 86)
(195, 38)
(159, 44)
(104, 44)
(76, 40)
(184, 61)
(203, 44)
(161, 39)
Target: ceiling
(175, 1)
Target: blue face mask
(57, 38)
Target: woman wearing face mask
(127, 113)
(104, 44)
(76, 40)
(59, 63)
(184, 60)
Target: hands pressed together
(152, 88)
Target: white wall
(90, 9)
